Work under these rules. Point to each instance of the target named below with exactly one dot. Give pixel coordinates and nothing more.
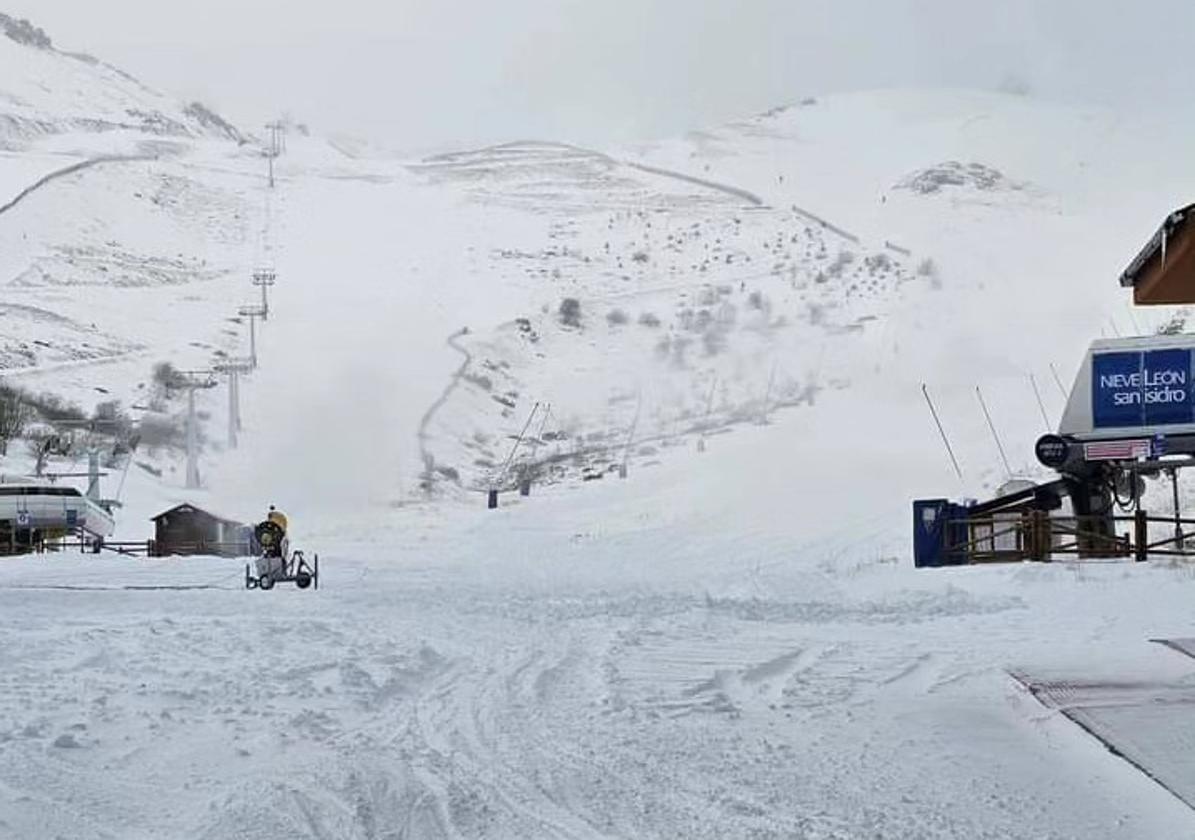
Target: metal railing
(238, 548)
(85, 543)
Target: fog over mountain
(421, 73)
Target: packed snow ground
(612, 663)
(728, 643)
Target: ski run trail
(729, 643)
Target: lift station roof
(1164, 272)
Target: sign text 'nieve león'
(1142, 388)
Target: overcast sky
(420, 73)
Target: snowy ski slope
(731, 642)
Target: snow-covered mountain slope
(125, 217)
(1023, 211)
(53, 98)
(765, 266)
(662, 306)
(712, 296)
(870, 242)
(728, 642)
(113, 268)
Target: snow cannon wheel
(302, 580)
(266, 582)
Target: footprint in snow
(66, 741)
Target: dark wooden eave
(1164, 272)
(190, 508)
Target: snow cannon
(276, 563)
(271, 537)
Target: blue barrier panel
(938, 525)
(929, 532)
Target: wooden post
(1141, 536)
(1039, 536)
(492, 500)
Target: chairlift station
(1130, 415)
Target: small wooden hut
(186, 529)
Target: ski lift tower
(252, 313)
(93, 473)
(192, 381)
(264, 277)
(234, 369)
(277, 131)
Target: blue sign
(1142, 388)
(72, 518)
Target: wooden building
(1164, 272)
(186, 529)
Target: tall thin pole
(709, 409)
(234, 368)
(709, 401)
(236, 397)
(992, 426)
(767, 397)
(1179, 537)
(1041, 405)
(192, 443)
(544, 423)
(626, 452)
(518, 441)
(1133, 321)
(253, 313)
(253, 338)
(232, 409)
(93, 473)
(276, 135)
(264, 277)
(1058, 381)
(941, 431)
(272, 151)
(123, 475)
(192, 381)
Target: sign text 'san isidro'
(1142, 388)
